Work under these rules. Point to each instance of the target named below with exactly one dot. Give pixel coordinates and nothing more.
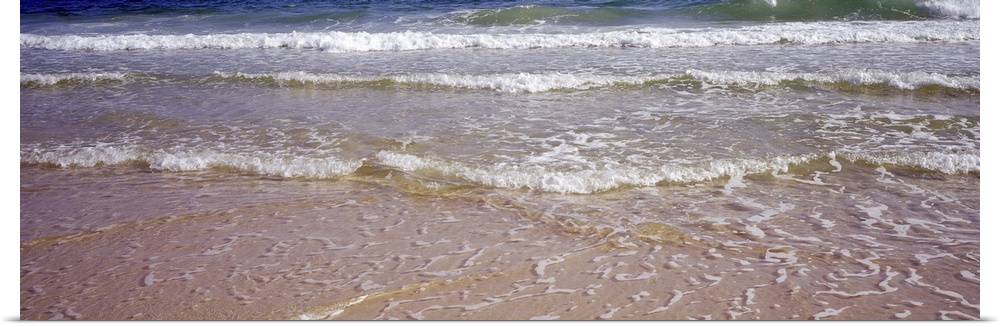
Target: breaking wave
(542, 82)
(527, 82)
(70, 78)
(609, 178)
(535, 14)
(793, 33)
(816, 10)
(500, 175)
(181, 159)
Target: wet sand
(109, 244)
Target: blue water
(165, 17)
(808, 55)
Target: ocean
(500, 160)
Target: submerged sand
(110, 244)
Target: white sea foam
(512, 82)
(949, 163)
(952, 8)
(901, 80)
(540, 177)
(50, 79)
(796, 33)
(504, 175)
(192, 160)
(585, 181)
(528, 82)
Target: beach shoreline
(440, 160)
(346, 250)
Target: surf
(342, 42)
(507, 175)
(837, 10)
(548, 82)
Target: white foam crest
(192, 160)
(66, 156)
(264, 165)
(510, 82)
(952, 8)
(51, 79)
(529, 82)
(949, 163)
(521, 82)
(586, 181)
(797, 33)
(901, 80)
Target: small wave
(585, 181)
(951, 8)
(534, 14)
(948, 163)
(819, 10)
(793, 33)
(512, 82)
(192, 160)
(545, 82)
(70, 78)
(600, 180)
(501, 175)
(526, 82)
(900, 80)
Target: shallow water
(242, 247)
(431, 160)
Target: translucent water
(631, 160)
